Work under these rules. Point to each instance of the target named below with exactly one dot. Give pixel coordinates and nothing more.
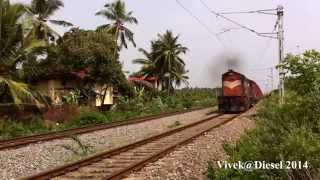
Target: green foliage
(288, 132)
(125, 109)
(81, 50)
(93, 51)
(38, 14)
(84, 149)
(284, 132)
(11, 34)
(164, 61)
(117, 13)
(181, 99)
(73, 97)
(303, 71)
(14, 49)
(9, 128)
(19, 92)
(90, 118)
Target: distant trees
(164, 61)
(117, 13)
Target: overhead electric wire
(267, 46)
(215, 35)
(235, 22)
(226, 30)
(251, 12)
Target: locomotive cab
(238, 93)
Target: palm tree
(13, 49)
(149, 68)
(39, 14)
(167, 51)
(180, 77)
(117, 13)
(164, 61)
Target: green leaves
(289, 131)
(164, 61)
(19, 92)
(38, 14)
(14, 48)
(302, 71)
(61, 23)
(284, 132)
(11, 33)
(117, 13)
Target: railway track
(119, 162)
(23, 141)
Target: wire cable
(268, 43)
(235, 22)
(251, 12)
(215, 35)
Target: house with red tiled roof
(56, 86)
(148, 82)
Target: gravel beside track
(44, 155)
(189, 162)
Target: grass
(124, 110)
(284, 132)
(82, 150)
(9, 128)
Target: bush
(61, 114)
(285, 132)
(9, 128)
(90, 118)
(187, 103)
(288, 132)
(74, 116)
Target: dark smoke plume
(221, 64)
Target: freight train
(238, 93)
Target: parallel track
(120, 162)
(23, 141)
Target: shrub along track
(119, 162)
(24, 141)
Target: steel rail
(72, 167)
(23, 141)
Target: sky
(208, 57)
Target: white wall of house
(101, 90)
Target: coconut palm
(149, 68)
(39, 13)
(13, 49)
(117, 13)
(180, 77)
(167, 52)
(11, 33)
(164, 61)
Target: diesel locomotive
(238, 93)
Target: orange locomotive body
(238, 93)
